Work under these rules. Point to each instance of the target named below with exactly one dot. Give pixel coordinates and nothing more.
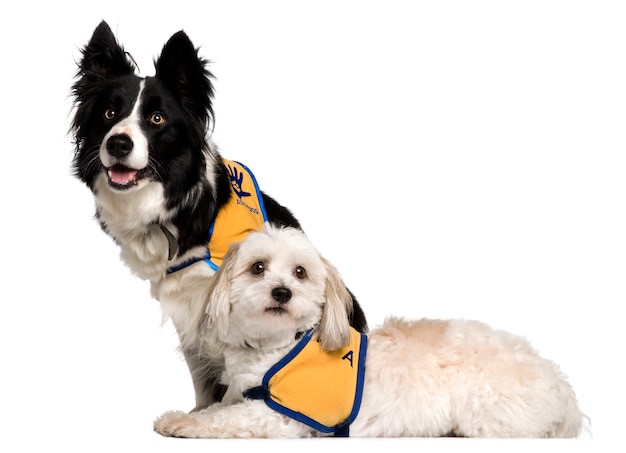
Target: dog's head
(130, 130)
(275, 284)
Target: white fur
(130, 216)
(138, 158)
(423, 377)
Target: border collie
(162, 190)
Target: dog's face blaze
(273, 285)
(131, 131)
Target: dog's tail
(574, 421)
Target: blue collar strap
(184, 264)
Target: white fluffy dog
(275, 296)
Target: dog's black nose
(281, 295)
(119, 145)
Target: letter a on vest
(319, 388)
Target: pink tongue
(122, 175)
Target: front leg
(247, 419)
(204, 375)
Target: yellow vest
(243, 214)
(319, 388)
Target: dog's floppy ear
(218, 306)
(334, 328)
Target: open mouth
(123, 177)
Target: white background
(453, 159)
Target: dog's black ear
(103, 57)
(185, 74)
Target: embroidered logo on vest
(243, 214)
(319, 388)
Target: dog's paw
(176, 424)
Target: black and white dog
(162, 191)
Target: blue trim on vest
(258, 190)
(263, 392)
(207, 256)
(183, 265)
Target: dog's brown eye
(157, 119)
(258, 267)
(109, 114)
(300, 272)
